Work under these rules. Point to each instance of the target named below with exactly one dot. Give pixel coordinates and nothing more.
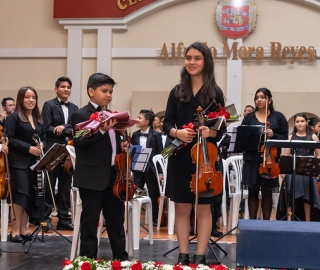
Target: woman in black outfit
(276, 130)
(20, 126)
(196, 88)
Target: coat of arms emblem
(236, 18)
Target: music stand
(289, 162)
(54, 157)
(245, 139)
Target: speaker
(278, 244)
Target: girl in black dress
(197, 88)
(305, 186)
(20, 126)
(277, 130)
(314, 125)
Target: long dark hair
(184, 91)
(22, 112)
(308, 129)
(266, 93)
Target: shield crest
(236, 21)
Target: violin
(5, 178)
(207, 181)
(269, 168)
(123, 187)
(67, 165)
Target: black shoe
(155, 223)
(63, 227)
(27, 237)
(184, 259)
(16, 239)
(199, 259)
(216, 233)
(48, 228)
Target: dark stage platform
(52, 253)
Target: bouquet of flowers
(92, 125)
(215, 119)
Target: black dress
(23, 180)
(180, 166)
(305, 186)
(252, 160)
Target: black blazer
(20, 139)
(93, 155)
(53, 116)
(154, 141)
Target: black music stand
(50, 161)
(288, 164)
(245, 139)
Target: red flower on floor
(136, 266)
(66, 262)
(86, 266)
(116, 265)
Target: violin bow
(265, 132)
(128, 177)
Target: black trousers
(149, 178)
(63, 197)
(113, 211)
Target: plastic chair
(235, 193)
(163, 162)
(4, 220)
(137, 203)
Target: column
(74, 63)
(234, 78)
(104, 50)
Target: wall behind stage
(30, 24)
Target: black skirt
(179, 176)
(24, 192)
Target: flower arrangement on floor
(85, 263)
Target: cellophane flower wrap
(217, 111)
(84, 263)
(92, 125)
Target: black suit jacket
(154, 141)
(93, 155)
(53, 116)
(20, 139)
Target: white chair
(137, 203)
(235, 192)
(163, 162)
(4, 220)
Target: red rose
(177, 267)
(193, 266)
(212, 115)
(220, 267)
(158, 264)
(86, 266)
(136, 266)
(66, 262)
(116, 265)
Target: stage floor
(55, 249)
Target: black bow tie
(98, 109)
(143, 134)
(64, 103)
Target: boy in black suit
(148, 138)
(95, 173)
(56, 114)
